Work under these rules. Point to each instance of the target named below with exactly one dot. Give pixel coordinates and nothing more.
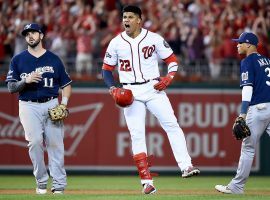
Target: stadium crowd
(199, 31)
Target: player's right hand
(112, 90)
(33, 78)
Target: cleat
(41, 191)
(190, 171)
(58, 191)
(148, 189)
(224, 189)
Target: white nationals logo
(13, 134)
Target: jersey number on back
(267, 70)
(48, 82)
(125, 65)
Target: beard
(33, 45)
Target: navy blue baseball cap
(31, 27)
(247, 37)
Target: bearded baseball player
(37, 75)
(255, 107)
(135, 52)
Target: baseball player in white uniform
(135, 53)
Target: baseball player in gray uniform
(255, 107)
(37, 74)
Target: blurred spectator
(9, 43)
(84, 28)
(19, 40)
(59, 45)
(213, 51)
(2, 46)
(174, 40)
(195, 29)
(228, 53)
(195, 45)
(112, 30)
(260, 28)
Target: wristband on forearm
(108, 78)
(244, 107)
(64, 101)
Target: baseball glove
(122, 97)
(59, 112)
(240, 129)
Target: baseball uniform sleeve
(110, 57)
(162, 47)
(12, 74)
(247, 73)
(64, 78)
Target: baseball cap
(31, 27)
(133, 9)
(247, 37)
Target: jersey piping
(66, 85)
(131, 56)
(139, 55)
(140, 68)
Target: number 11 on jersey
(48, 82)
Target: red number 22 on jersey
(125, 65)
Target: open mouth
(127, 26)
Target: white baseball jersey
(137, 58)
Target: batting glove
(164, 82)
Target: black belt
(139, 83)
(39, 100)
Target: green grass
(128, 187)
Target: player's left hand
(240, 129)
(164, 82)
(59, 112)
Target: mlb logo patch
(244, 76)
(107, 55)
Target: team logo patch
(107, 55)
(166, 44)
(244, 76)
(27, 26)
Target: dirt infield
(136, 192)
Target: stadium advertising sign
(97, 138)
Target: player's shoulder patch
(244, 76)
(107, 55)
(166, 44)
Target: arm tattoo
(16, 86)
